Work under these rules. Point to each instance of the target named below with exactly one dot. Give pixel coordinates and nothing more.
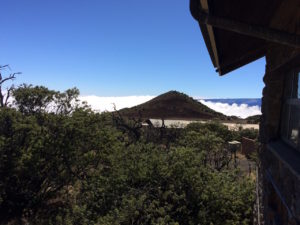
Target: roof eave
(207, 32)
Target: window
(298, 85)
(290, 127)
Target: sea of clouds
(241, 110)
(102, 104)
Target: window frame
(291, 99)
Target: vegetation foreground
(62, 163)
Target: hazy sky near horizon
(116, 48)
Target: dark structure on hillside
(237, 32)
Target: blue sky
(116, 48)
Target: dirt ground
(184, 123)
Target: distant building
(248, 147)
(237, 32)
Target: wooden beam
(242, 60)
(265, 33)
(211, 35)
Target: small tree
(5, 95)
(30, 100)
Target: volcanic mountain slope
(173, 105)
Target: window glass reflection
(298, 89)
(290, 122)
(294, 124)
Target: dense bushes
(40, 157)
(149, 185)
(70, 165)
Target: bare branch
(9, 90)
(4, 98)
(4, 66)
(1, 97)
(10, 77)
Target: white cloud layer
(107, 104)
(242, 110)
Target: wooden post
(265, 33)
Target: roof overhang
(238, 32)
